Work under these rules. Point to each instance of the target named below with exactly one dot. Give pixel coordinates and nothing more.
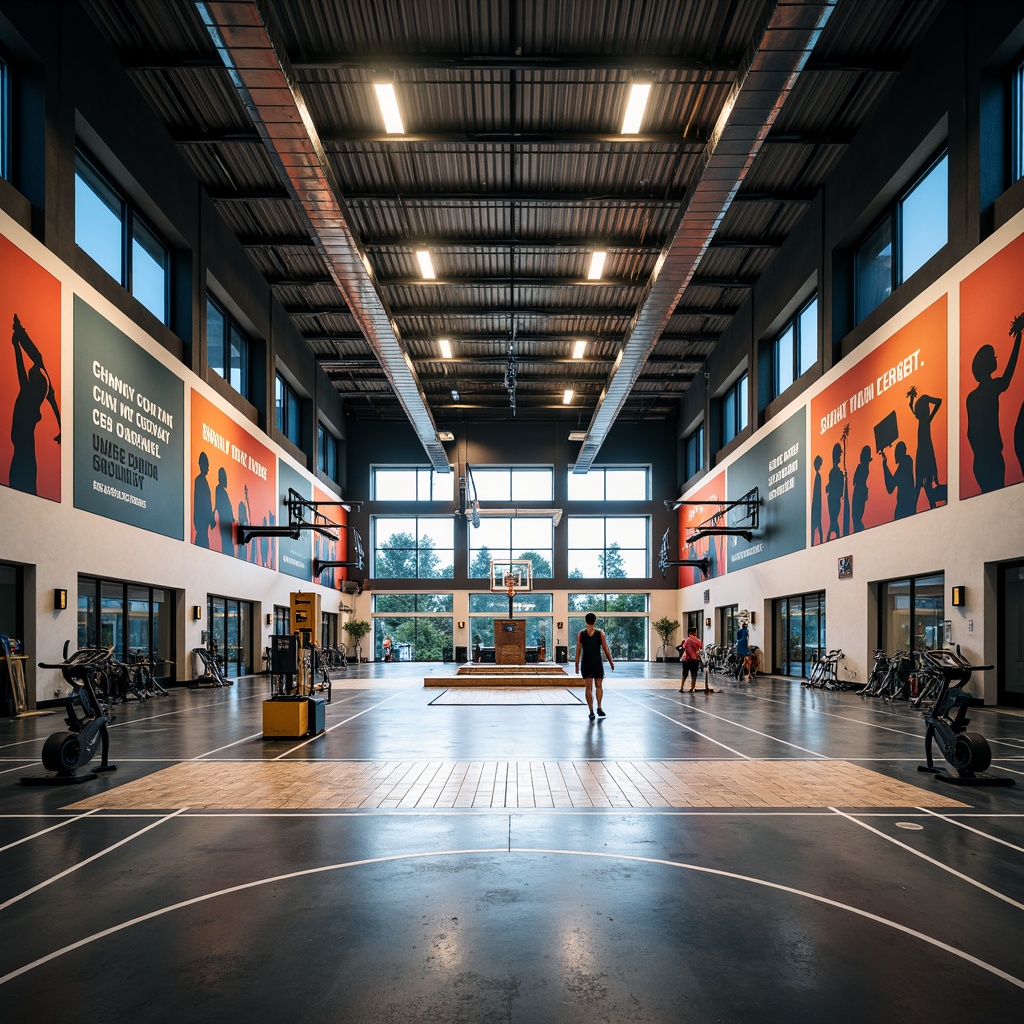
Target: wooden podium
(510, 641)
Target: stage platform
(544, 673)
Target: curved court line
(703, 869)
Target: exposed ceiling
(512, 171)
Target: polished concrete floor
(768, 853)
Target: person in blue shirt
(743, 650)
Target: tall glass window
(626, 483)
(795, 349)
(911, 612)
(513, 483)
(286, 403)
(624, 618)
(505, 537)
(612, 547)
(694, 451)
(910, 232)
(227, 348)
(420, 626)
(326, 452)
(1017, 117)
(734, 410)
(409, 547)
(411, 483)
(116, 236)
(534, 607)
(5, 119)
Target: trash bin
(462, 655)
(562, 655)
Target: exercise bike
(64, 753)
(967, 753)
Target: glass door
(230, 632)
(1011, 634)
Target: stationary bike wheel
(971, 752)
(61, 752)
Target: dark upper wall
(70, 87)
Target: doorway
(799, 633)
(1011, 634)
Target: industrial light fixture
(577, 435)
(455, 394)
(197, 612)
(270, 618)
(597, 258)
(635, 107)
(445, 435)
(60, 600)
(388, 102)
(554, 514)
(578, 349)
(426, 264)
(567, 396)
(445, 346)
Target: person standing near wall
(743, 650)
(691, 659)
(589, 645)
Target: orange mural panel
(30, 399)
(700, 507)
(991, 384)
(879, 433)
(325, 549)
(234, 485)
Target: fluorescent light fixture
(445, 435)
(597, 258)
(446, 347)
(635, 107)
(388, 102)
(578, 349)
(455, 394)
(577, 435)
(567, 396)
(426, 263)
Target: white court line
(729, 721)
(699, 868)
(696, 732)
(345, 721)
(52, 828)
(18, 767)
(89, 860)
(1002, 767)
(976, 831)
(931, 860)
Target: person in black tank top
(589, 645)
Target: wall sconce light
(959, 597)
(270, 618)
(753, 617)
(197, 612)
(560, 625)
(462, 623)
(60, 600)
(707, 623)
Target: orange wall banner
(879, 433)
(234, 481)
(331, 550)
(701, 507)
(30, 397)
(991, 379)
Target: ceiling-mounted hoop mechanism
(665, 563)
(469, 506)
(747, 522)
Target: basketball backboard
(517, 572)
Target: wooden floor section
(445, 784)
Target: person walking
(743, 650)
(691, 659)
(589, 645)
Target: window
(694, 451)
(1017, 116)
(734, 410)
(227, 348)
(610, 484)
(613, 547)
(911, 232)
(114, 234)
(420, 626)
(410, 483)
(512, 483)
(326, 452)
(286, 403)
(410, 547)
(508, 538)
(911, 613)
(533, 607)
(795, 350)
(623, 617)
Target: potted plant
(664, 627)
(357, 629)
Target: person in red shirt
(690, 658)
